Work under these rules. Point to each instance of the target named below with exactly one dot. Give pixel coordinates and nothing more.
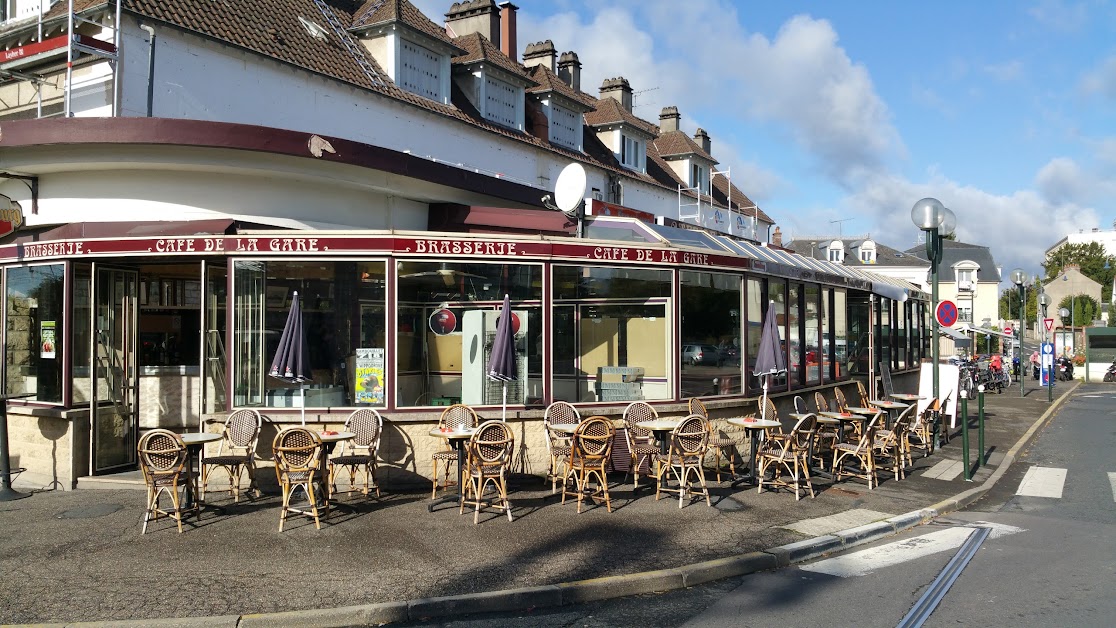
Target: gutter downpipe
(150, 68)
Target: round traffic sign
(946, 313)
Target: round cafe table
(195, 443)
(907, 397)
(754, 427)
(661, 428)
(890, 406)
(456, 438)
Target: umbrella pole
(302, 389)
(763, 405)
(504, 414)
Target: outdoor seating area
(473, 457)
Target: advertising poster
(47, 339)
(369, 375)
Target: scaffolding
(77, 45)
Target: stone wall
(53, 447)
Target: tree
(1009, 304)
(1084, 309)
(1090, 257)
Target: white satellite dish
(569, 191)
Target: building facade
(179, 175)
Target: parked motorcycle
(1065, 369)
(1110, 374)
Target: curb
(610, 587)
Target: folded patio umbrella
(770, 359)
(501, 362)
(291, 361)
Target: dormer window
(565, 127)
(421, 71)
(699, 178)
(867, 252)
(966, 278)
(836, 252)
(632, 153)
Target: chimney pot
(669, 119)
(777, 237)
(508, 30)
(475, 16)
(618, 89)
(569, 70)
(702, 138)
(540, 53)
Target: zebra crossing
(1037, 482)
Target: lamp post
(1072, 313)
(1017, 278)
(1043, 302)
(931, 216)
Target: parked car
(702, 354)
(730, 353)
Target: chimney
(569, 70)
(702, 138)
(777, 237)
(540, 53)
(669, 119)
(618, 89)
(474, 16)
(508, 29)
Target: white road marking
(867, 561)
(945, 470)
(1112, 481)
(1042, 482)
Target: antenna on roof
(839, 234)
(642, 91)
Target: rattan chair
(792, 455)
(641, 442)
(683, 460)
(865, 399)
(558, 443)
(719, 441)
(298, 455)
(361, 451)
(825, 436)
(892, 444)
(488, 455)
(922, 430)
(590, 449)
(839, 399)
(861, 451)
(236, 453)
(451, 418)
(163, 460)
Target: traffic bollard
(965, 435)
(980, 427)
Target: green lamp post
(1017, 278)
(937, 221)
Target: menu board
(47, 339)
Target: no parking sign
(946, 313)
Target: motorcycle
(1065, 369)
(1110, 374)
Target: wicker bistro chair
(558, 443)
(922, 429)
(298, 454)
(862, 451)
(451, 418)
(590, 449)
(839, 399)
(236, 453)
(488, 456)
(791, 455)
(893, 446)
(865, 398)
(719, 442)
(360, 451)
(683, 460)
(825, 437)
(641, 442)
(163, 460)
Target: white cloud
(1007, 71)
(1101, 80)
(1065, 17)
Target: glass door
(115, 390)
(214, 357)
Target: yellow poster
(369, 375)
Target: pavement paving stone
(78, 556)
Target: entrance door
(114, 400)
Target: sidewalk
(78, 556)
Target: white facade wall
(205, 80)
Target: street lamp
(1017, 278)
(1072, 312)
(931, 216)
(1044, 301)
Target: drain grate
(90, 512)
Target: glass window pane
(81, 386)
(885, 350)
(446, 324)
(756, 310)
(859, 333)
(34, 324)
(795, 359)
(812, 339)
(710, 332)
(777, 292)
(216, 360)
(840, 335)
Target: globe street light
(1072, 312)
(1017, 278)
(1044, 301)
(931, 216)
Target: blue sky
(837, 116)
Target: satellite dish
(569, 191)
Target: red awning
(479, 219)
